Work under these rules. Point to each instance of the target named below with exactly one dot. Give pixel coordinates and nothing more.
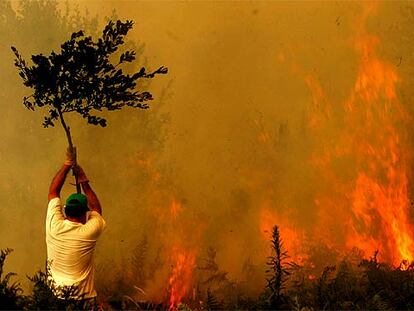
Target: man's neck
(78, 220)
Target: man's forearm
(58, 181)
(93, 200)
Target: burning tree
(82, 78)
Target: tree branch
(67, 131)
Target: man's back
(70, 248)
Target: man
(71, 237)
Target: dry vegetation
(369, 285)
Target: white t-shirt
(70, 248)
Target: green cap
(77, 200)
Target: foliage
(211, 302)
(183, 307)
(121, 286)
(390, 286)
(48, 296)
(214, 276)
(215, 285)
(10, 294)
(44, 292)
(370, 285)
(82, 78)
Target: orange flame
(181, 276)
(373, 203)
(181, 257)
(171, 283)
(175, 208)
(380, 196)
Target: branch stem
(69, 137)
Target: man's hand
(93, 201)
(70, 156)
(81, 174)
(57, 182)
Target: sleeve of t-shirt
(94, 226)
(54, 213)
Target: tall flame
(374, 203)
(180, 280)
(182, 261)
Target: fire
(175, 208)
(359, 161)
(380, 196)
(181, 276)
(181, 258)
(372, 200)
(172, 281)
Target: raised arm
(60, 177)
(93, 200)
